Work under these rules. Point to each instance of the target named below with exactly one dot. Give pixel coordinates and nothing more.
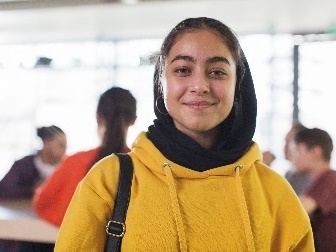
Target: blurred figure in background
(312, 155)
(28, 172)
(116, 112)
(299, 180)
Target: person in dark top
(28, 172)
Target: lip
(198, 105)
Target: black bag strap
(115, 228)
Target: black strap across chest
(116, 228)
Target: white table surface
(19, 222)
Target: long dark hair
(117, 107)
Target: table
(19, 222)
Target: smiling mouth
(199, 105)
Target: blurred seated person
(116, 112)
(312, 155)
(28, 172)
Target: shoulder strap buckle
(115, 228)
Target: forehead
(300, 145)
(200, 42)
(57, 137)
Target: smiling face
(199, 83)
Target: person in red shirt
(116, 112)
(312, 154)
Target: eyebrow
(209, 60)
(183, 57)
(218, 59)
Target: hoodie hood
(234, 139)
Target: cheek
(225, 95)
(171, 92)
(299, 158)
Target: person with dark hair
(116, 112)
(313, 148)
(299, 180)
(28, 172)
(198, 181)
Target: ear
(317, 151)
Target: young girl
(198, 182)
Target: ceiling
(60, 20)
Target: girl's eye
(217, 73)
(182, 71)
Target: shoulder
(267, 176)
(29, 158)
(103, 177)
(282, 202)
(82, 154)
(27, 162)
(273, 180)
(331, 174)
(82, 157)
(327, 178)
(325, 184)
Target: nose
(200, 84)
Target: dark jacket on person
(21, 180)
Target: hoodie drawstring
(175, 206)
(244, 211)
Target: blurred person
(28, 172)
(116, 112)
(298, 180)
(198, 180)
(312, 154)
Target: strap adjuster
(115, 228)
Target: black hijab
(234, 139)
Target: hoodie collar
(154, 160)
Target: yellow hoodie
(244, 206)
